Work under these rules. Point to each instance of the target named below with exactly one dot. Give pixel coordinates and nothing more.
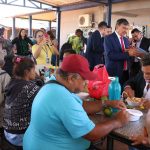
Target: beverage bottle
(114, 90)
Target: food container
(133, 101)
(83, 95)
(134, 115)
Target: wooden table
(122, 134)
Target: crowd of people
(35, 115)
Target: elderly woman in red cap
(59, 118)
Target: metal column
(109, 12)
(49, 25)
(30, 26)
(58, 20)
(14, 28)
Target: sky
(9, 11)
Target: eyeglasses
(39, 36)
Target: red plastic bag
(99, 87)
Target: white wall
(135, 11)
(140, 21)
(69, 20)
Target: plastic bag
(99, 87)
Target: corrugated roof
(45, 15)
(61, 2)
(50, 15)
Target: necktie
(123, 50)
(147, 88)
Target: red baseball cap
(75, 63)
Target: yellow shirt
(41, 60)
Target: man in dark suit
(140, 87)
(140, 42)
(95, 48)
(135, 85)
(117, 52)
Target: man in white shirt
(142, 44)
(139, 40)
(118, 52)
(145, 138)
(133, 84)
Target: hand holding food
(146, 104)
(128, 92)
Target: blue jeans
(15, 139)
(132, 148)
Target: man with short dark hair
(95, 48)
(76, 41)
(109, 30)
(117, 52)
(139, 86)
(65, 46)
(141, 43)
(139, 40)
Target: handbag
(99, 87)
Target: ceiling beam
(106, 1)
(98, 1)
(45, 3)
(118, 1)
(23, 3)
(78, 6)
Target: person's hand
(128, 92)
(131, 48)
(122, 118)
(146, 103)
(139, 139)
(134, 52)
(42, 43)
(117, 104)
(133, 44)
(48, 40)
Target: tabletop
(124, 133)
